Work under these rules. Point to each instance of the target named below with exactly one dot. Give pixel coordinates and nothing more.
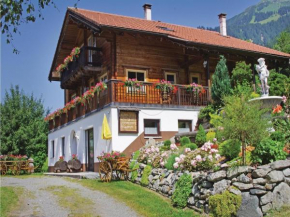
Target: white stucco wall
(120, 141)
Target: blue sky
(37, 42)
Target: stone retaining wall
(262, 188)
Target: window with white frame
(139, 75)
(171, 77)
(63, 146)
(184, 126)
(151, 127)
(52, 149)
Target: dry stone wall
(262, 188)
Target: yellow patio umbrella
(106, 132)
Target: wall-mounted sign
(128, 121)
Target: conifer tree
(221, 83)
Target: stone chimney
(147, 11)
(223, 24)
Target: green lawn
(9, 199)
(283, 212)
(140, 199)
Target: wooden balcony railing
(146, 95)
(89, 56)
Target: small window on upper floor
(171, 77)
(104, 78)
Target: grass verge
(10, 197)
(284, 211)
(140, 199)
(70, 199)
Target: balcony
(148, 96)
(87, 64)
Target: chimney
(223, 24)
(147, 11)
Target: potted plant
(166, 88)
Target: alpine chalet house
(131, 57)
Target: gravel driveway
(40, 202)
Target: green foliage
(210, 136)
(135, 172)
(167, 143)
(225, 204)
(192, 146)
(23, 129)
(216, 120)
(278, 136)
(205, 112)
(221, 84)
(146, 172)
(283, 42)
(243, 120)
(268, 151)
(200, 138)
(184, 140)
(243, 89)
(278, 83)
(134, 159)
(171, 161)
(230, 148)
(254, 95)
(44, 167)
(242, 73)
(182, 191)
(284, 127)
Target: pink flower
(173, 147)
(182, 157)
(198, 158)
(213, 151)
(193, 163)
(164, 154)
(186, 150)
(284, 99)
(214, 140)
(175, 165)
(217, 156)
(177, 159)
(210, 157)
(162, 163)
(203, 159)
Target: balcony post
(178, 95)
(85, 45)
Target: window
(194, 78)
(184, 126)
(170, 76)
(139, 75)
(104, 78)
(52, 149)
(92, 42)
(151, 127)
(63, 146)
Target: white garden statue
(263, 74)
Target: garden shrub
(167, 143)
(170, 161)
(204, 113)
(268, 151)
(225, 204)
(146, 172)
(210, 136)
(200, 138)
(184, 140)
(192, 146)
(134, 159)
(44, 167)
(278, 136)
(278, 83)
(135, 172)
(242, 73)
(230, 148)
(182, 191)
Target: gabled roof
(187, 34)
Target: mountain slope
(261, 23)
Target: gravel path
(39, 202)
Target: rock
(151, 142)
(267, 207)
(224, 165)
(242, 186)
(207, 184)
(200, 203)
(162, 182)
(170, 192)
(275, 176)
(206, 208)
(150, 178)
(281, 195)
(156, 177)
(235, 171)
(267, 198)
(257, 192)
(287, 181)
(261, 187)
(195, 176)
(249, 206)
(243, 178)
(259, 181)
(165, 189)
(142, 166)
(191, 200)
(235, 190)
(260, 173)
(286, 172)
(156, 184)
(195, 189)
(269, 186)
(264, 166)
(154, 172)
(217, 176)
(220, 186)
(280, 164)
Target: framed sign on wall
(128, 121)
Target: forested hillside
(261, 23)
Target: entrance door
(90, 143)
